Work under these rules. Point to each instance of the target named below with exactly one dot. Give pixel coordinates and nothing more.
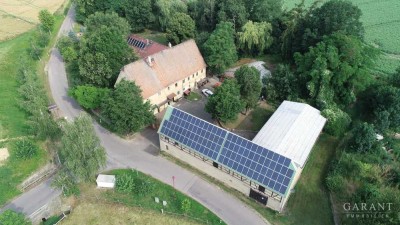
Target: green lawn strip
(154, 36)
(193, 96)
(165, 192)
(15, 171)
(309, 204)
(257, 118)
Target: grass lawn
(193, 96)
(310, 203)
(254, 120)
(89, 213)
(155, 36)
(165, 192)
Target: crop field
(18, 16)
(381, 20)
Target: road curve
(141, 152)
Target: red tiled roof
(151, 47)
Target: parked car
(207, 92)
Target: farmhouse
(166, 75)
(265, 169)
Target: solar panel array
(195, 133)
(267, 168)
(260, 164)
(136, 43)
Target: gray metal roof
(292, 131)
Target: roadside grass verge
(165, 192)
(88, 213)
(14, 171)
(309, 204)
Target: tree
(282, 84)
(66, 182)
(255, 37)
(9, 217)
(233, 11)
(225, 104)
(220, 50)
(337, 121)
(103, 49)
(204, 14)
(46, 19)
(81, 153)
(180, 28)
(166, 9)
(263, 10)
(126, 110)
(249, 81)
(384, 101)
(394, 79)
(139, 14)
(364, 138)
(185, 205)
(335, 69)
(85, 8)
(89, 97)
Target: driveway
(141, 153)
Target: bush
(335, 183)
(89, 97)
(338, 121)
(143, 186)
(24, 149)
(185, 205)
(125, 183)
(10, 217)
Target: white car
(207, 92)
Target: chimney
(169, 44)
(149, 61)
(147, 42)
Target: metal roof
(292, 131)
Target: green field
(381, 20)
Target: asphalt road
(140, 153)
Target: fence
(46, 171)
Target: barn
(266, 168)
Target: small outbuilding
(105, 181)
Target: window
(166, 147)
(159, 93)
(193, 76)
(179, 92)
(189, 78)
(197, 73)
(168, 88)
(183, 81)
(176, 84)
(202, 70)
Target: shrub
(338, 121)
(143, 186)
(24, 149)
(335, 183)
(89, 97)
(125, 183)
(185, 205)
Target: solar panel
(266, 167)
(260, 162)
(136, 43)
(194, 133)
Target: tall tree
(139, 14)
(249, 81)
(46, 19)
(225, 104)
(220, 50)
(180, 28)
(81, 153)
(204, 14)
(126, 110)
(9, 217)
(103, 49)
(233, 11)
(255, 37)
(165, 9)
(85, 8)
(364, 138)
(282, 84)
(263, 10)
(335, 69)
